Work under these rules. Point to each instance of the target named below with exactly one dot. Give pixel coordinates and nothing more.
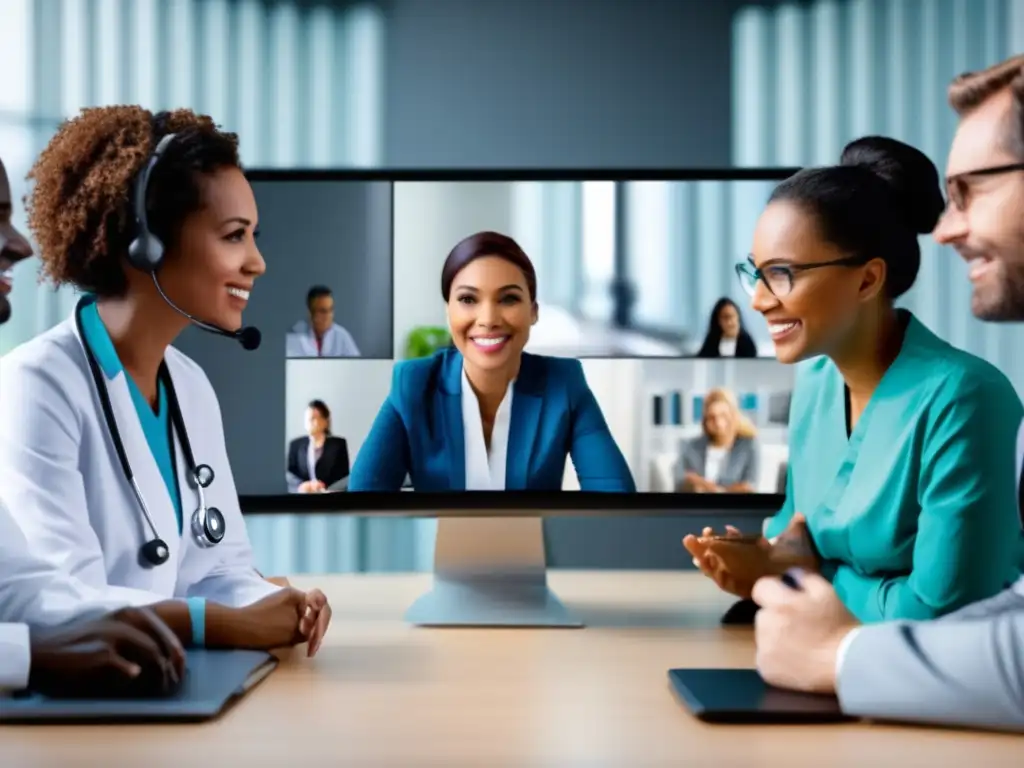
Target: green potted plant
(425, 341)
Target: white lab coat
(34, 592)
(337, 342)
(64, 487)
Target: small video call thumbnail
(329, 292)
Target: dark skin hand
(284, 618)
(735, 562)
(130, 653)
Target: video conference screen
(636, 280)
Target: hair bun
(911, 176)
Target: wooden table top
(382, 693)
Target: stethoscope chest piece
(154, 552)
(207, 522)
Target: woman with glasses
(902, 488)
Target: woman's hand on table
(736, 561)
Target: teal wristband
(197, 615)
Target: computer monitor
(635, 278)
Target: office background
(337, 233)
(652, 300)
(404, 83)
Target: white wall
(429, 219)
(354, 390)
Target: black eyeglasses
(778, 278)
(958, 187)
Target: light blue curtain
(682, 242)
(302, 84)
(809, 78)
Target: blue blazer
(419, 432)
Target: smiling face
(13, 245)
(817, 314)
(214, 263)
(490, 313)
(987, 230)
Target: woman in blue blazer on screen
(483, 415)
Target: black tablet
(213, 680)
(741, 696)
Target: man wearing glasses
(966, 669)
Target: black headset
(146, 251)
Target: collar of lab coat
(99, 340)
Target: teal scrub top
(155, 424)
(915, 512)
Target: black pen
(790, 580)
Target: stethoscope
(207, 523)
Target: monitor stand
(490, 572)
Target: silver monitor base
(490, 572)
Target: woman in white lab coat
(112, 453)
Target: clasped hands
(284, 618)
(735, 562)
(694, 483)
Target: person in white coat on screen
(112, 453)
(320, 336)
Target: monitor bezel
(512, 503)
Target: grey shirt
(964, 669)
(741, 463)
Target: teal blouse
(915, 513)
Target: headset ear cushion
(145, 252)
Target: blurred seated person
(726, 457)
(320, 336)
(726, 336)
(483, 414)
(319, 460)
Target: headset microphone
(249, 336)
(146, 253)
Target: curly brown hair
(81, 211)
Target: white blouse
(485, 471)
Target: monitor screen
(635, 279)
